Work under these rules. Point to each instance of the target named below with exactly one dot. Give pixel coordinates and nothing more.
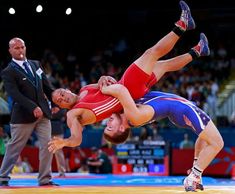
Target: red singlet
(137, 82)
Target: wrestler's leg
(147, 61)
(177, 63)
(206, 153)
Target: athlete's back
(180, 111)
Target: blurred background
(78, 41)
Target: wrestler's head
(117, 130)
(64, 98)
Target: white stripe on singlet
(105, 107)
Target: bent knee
(218, 143)
(213, 139)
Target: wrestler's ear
(122, 128)
(67, 90)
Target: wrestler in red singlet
(137, 82)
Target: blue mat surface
(75, 179)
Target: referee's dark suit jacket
(27, 93)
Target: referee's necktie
(26, 66)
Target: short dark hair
(120, 137)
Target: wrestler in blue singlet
(175, 107)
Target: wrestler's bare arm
(75, 129)
(103, 80)
(136, 115)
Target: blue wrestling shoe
(186, 21)
(202, 48)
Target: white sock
(197, 171)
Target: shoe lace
(184, 16)
(195, 178)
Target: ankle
(178, 31)
(197, 171)
(194, 53)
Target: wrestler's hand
(55, 144)
(106, 81)
(37, 112)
